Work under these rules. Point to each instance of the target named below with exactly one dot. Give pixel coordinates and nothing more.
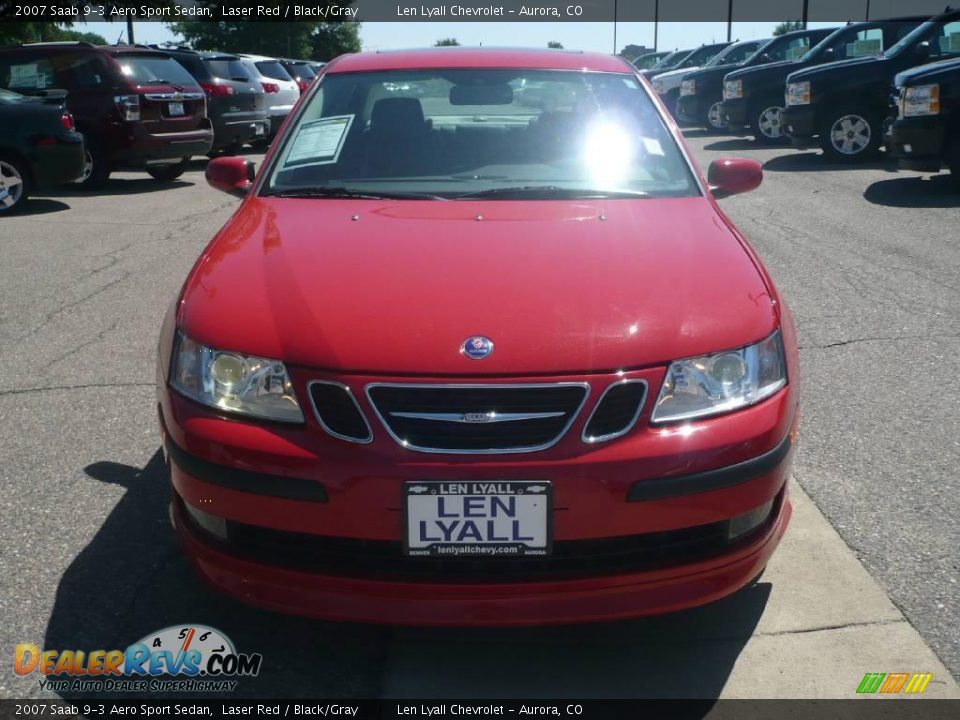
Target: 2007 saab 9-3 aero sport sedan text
(461, 358)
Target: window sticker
(24, 76)
(950, 43)
(319, 142)
(859, 48)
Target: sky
(574, 36)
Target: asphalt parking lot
(868, 259)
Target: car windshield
(302, 71)
(272, 69)
(943, 36)
(783, 48)
(671, 60)
(733, 54)
(700, 56)
(645, 62)
(472, 133)
(154, 70)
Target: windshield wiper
(549, 191)
(343, 192)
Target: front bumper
(302, 487)
(799, 123)
(690, 111)
(919, 143)
(734, 112)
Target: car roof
(256, 58)
(463, 57)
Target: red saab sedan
(479, 347)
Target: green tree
(336, 38)
(555, 45)
(447, 42)
(298, 39)
(785, 27)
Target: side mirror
(232, 175)
(922, 50)
(730, 176)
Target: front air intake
(338, 412)
(616, 412)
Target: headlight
(688, 87)
(658, 86)
(732, 89)
(798, 93)
(719, 383)
(920, 100)
(233, 382)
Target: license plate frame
(533, 498)
(176, 109)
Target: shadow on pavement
(938, 191)
(816, 162)
(41, 206)
(738, 143)
(121, 186)
(131, 580)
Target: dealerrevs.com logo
(180, 658)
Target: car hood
(397, 286)
(760, 72)
(673, 77)
(930, 71)
(818, 71)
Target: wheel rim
(769, 123)
(87, 166)
(850, 135)
(11, 185)
(713, 116)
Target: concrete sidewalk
(813, 625)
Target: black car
(136, 108)
(707, 114)
(693, 109)
(236, 102)
(753, 97)
(39, 147)
(669, 62)
(926, 133)
(300, 70)
(694, 59)
(844, 104)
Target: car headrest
(392, 114)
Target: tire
(96, 169)
(15, 185)
(712, 120)
(851, 135)
(766, 125)
(168, 173)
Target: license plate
(477, 519)
(260, 130)
(175, 109)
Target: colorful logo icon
(894, 683)
(189, 652)
(477, 347)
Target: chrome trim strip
(482, 418)
(593, 439)
(498, 451)
(326, 428)
(175, 97)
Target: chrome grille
(484, 418)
